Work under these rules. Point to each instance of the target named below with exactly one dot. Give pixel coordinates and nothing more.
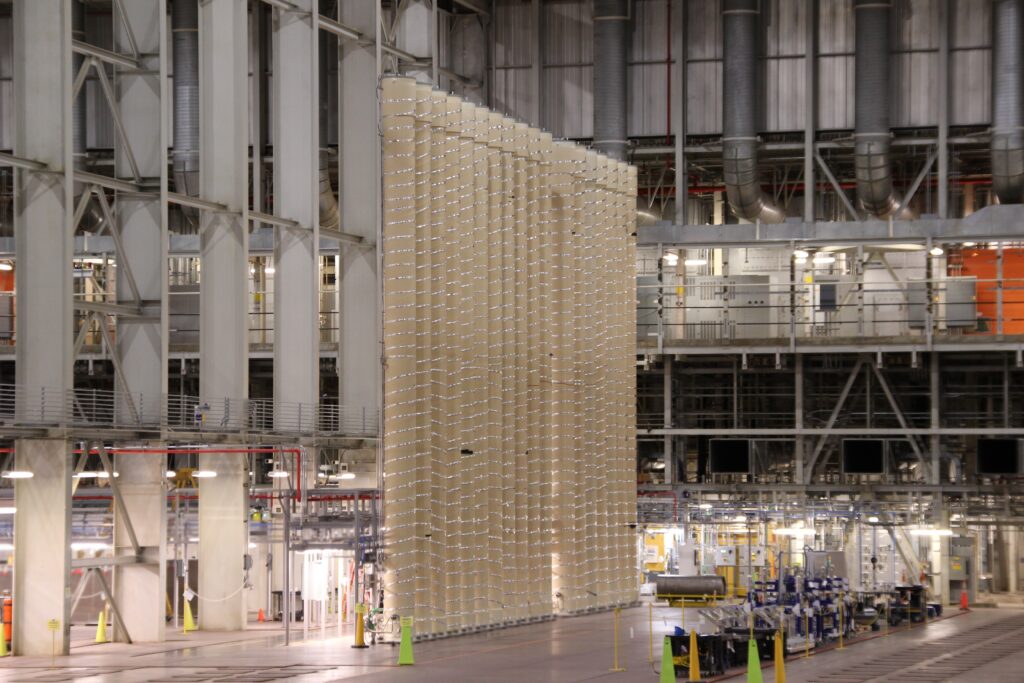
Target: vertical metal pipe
(611, 47)
(1008, 100)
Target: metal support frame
(809, 468)
(810, 106)
(835, 186)
(115, 490)
(113, 605)
(912, 438)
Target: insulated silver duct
(739, 115)
(872, 160)
(1007, 101)
(185, 28)
(330, 215)
(611, 41)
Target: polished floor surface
(982, 646)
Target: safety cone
(405, 647)
(260, 617)
(694, 657)
(963, 602)
(668, 667)
(360, 639)
(753, 663)
(190, 624)
(780, 659)
(101, 627)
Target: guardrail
(97, 408)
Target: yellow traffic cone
(101, 627)
(360, 639)
(668, 667)
(405, 647)
(780, 659)
(190, 624)
(694, 657)
(753, 663)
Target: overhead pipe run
(872, 138)
(1007, 140)
(739, 114)
(611, 45)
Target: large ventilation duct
(185, 28)
(611, 40)
(872, 160)
(739, 114)
(1008, 101)
(330, 215)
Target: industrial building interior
(572, 339)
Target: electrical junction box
(753, 556)
(725, 557)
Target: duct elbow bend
(747, 199)
(873, 170)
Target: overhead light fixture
(694, 262)
(6, 547)
(87, 475)
(252, 270)
(970, 244)
(277, 474)
(824, 259)
(270, 270)
(800, 254)
(936, 251)
(90, 545)
(104, 475)
(4, 265)
(347, 475)
(252, 546)
(171, 474)
(739, 518)
(670, 258)
(18, 474)
(872, 520)
(800, 261)
(204, 474)
(931, 532)
(705, 506)
(8, 511)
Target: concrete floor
(983, 646)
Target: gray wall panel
(6, 85)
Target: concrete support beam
(139, 589)
(42, 538)
(296, 189)
(223, 301)
(360, 187)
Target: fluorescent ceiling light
(270, 270)
(800, 253)
(277, 474)
(936, 251)
(18, 474)
(695, 262)
(4, 265)
(970, 244)
(705, 506)
(8, 511)
(204, 474)
(800, 261)
(873, 520)
(824, 259)
(6, 546)
(87, 475)
(171, 473)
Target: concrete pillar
(296, 185)
(42, 542)
(360, 181)
(43, 368)
(140, 589)
(223, 297)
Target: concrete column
(43, 368)
(42, 541)
(42, 220)
(139, 589)
(296, 184)
(360, 187)
(223, 295)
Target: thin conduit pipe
(739, 113)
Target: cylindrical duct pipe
(739, 115)
(1008, 101)
(330, 215)
(668, 584)
(611, 43)
(872, 160)
(185, 28)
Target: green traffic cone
(668, 667)
(753, 663)
(405, 648)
